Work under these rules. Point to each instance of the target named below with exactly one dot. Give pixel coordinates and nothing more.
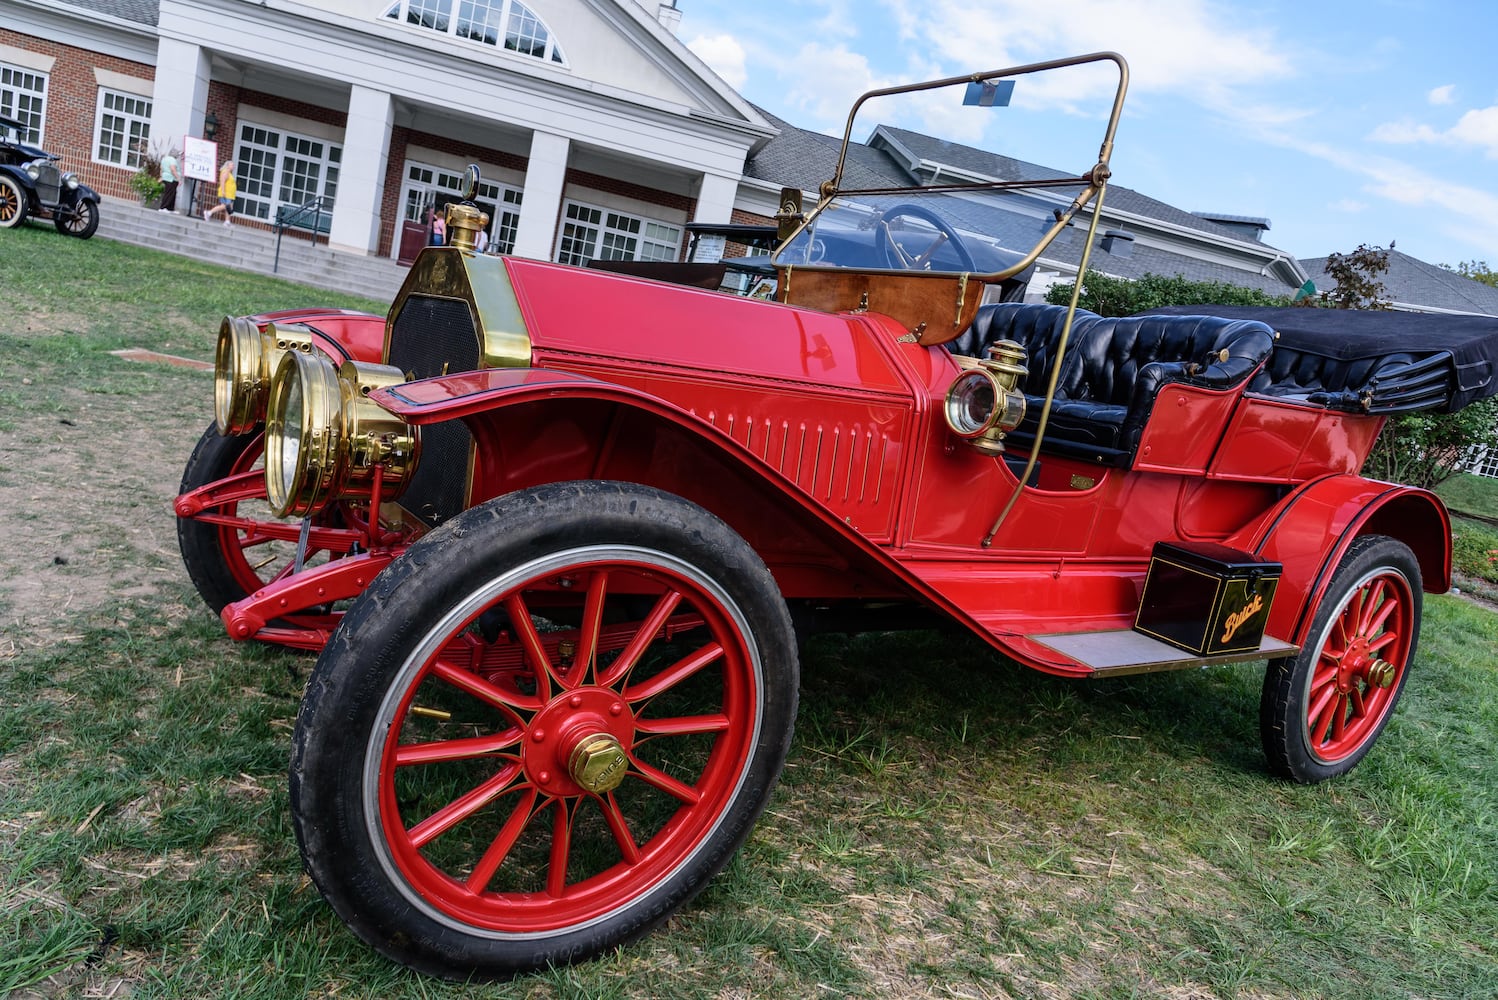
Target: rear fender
(1311, 529)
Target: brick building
(597, 132)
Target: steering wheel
(897, 256)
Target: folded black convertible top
(1470, 342)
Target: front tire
(13, 207)
(1322, 709)
(543, 729)
(82, 220)
(232, 549)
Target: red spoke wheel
(543, 729)
(234, 548)
(1322, 708)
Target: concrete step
(249, 248)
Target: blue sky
(1341, 122)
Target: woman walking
(227, 190)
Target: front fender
(1310, 529)
(533, 426)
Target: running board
(1115, 654)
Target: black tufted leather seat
(1390, 383)
(1115, 367)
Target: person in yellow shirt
(227, 191)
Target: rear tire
(543, 729)
(1322, 709)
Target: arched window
(506, 23)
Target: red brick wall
(73, 103)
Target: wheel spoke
(471, 683)
(684, 726)
(530, 641)
(1382, 641)
(461, 808)
(1339, 717)
(592, 624)
(1377, 620)
(620, 829)
(461, 749)
(660, 779)
(674, 674)
(1370, 599)
(1317, 714)
(1359, 703)
(651, 626)
(499, 848)
(561, 848)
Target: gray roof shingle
(138, 11)
(1413, 282)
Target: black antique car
(32, 182)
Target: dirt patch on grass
(86, 482)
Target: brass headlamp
(324, 438)
(244, 361)
(984, 402)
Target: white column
(180, 100)
(361, 175)
(715, 195)
(541, 201)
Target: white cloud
(1350, 206)
(824, 81)
(1195, 47)
(1404, 184)
(1478, 127)
(724, 55)
(1404, 132)
(1442, 95)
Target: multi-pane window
(23, 96)
(590, 233)
(432, 14)
(481, 20)
(507, 23)
(275, 168)
(123, 129)
(430, 187)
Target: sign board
(199, 159)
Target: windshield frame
(1091, 182)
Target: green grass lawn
(1474, 548)
(948, 824)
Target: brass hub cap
(598, 763)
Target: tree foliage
(1477, 270)
(1357, 278)
(1121, 297)
(1424, 449)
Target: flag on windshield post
(989, 93)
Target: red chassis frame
(819, 439)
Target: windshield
(905, 200)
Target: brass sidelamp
(984, 402)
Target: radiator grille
(440, 487)
(432, 336)
(49, 184)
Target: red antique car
(556, 532)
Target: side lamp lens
(325, 439)
(981, 410)
(301, 435)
